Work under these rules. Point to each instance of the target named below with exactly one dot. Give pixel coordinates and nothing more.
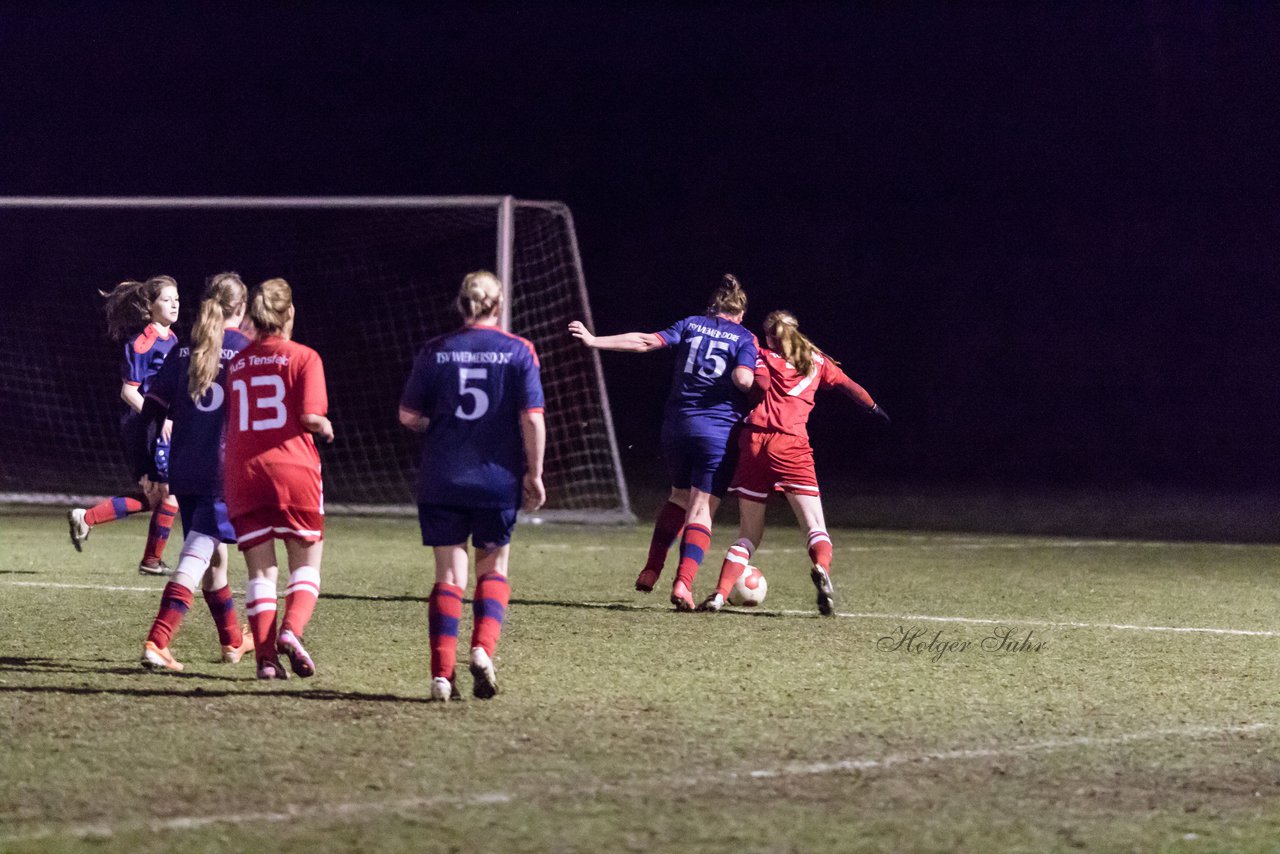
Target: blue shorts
(143, 449)
(705, 462)
(205, 514)
(445, 525)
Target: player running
(476, 393)
(715, 357)
(775, 453)
(190, 390)
(277, 407)
(140, 315)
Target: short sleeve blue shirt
(472, 385)
(703, 399)
(195, 453)
(144, 355)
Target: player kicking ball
(476, 396)
(775, 454)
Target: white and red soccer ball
(750, 588)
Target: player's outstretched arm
(533, 431)
(860, 396)
(317, 425)
(627, 342)
(415, 421)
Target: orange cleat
(159, 658)
(233, 654)
(681, 596)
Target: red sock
(114, 508)
(489, 608)
(820, 549)
(260, 606)
(223, 610)
(158, 533)
(693, 546)
(665, 530)
(175, 601)
(736, 561)
(444, 609)
(300, 598)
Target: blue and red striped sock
(175, 601)
(114, 508)
(158, 533)
(223, 610)
(444, 610)
(693, 547)
(489, 609)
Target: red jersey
(271, 460)
(788, 395)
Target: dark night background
(1045, 237)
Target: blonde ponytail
(796, 348)
(223, 297)
(480, 295)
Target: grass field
(1146, 718)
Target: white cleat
(79, 528)
(826, 591)
(441, 690)
(712, 603)
(486, 681)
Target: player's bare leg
(693, 546)
(808, 510)
(666, 530)
(489, 609)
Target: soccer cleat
(712, 603)
(233, 654)
(291, 645)
(826, 591)
(159, 658)
(154, 567)
(486, 681)
(271, 668)
(646, 579)
(79, 528)
(681, 596)
(442, 690)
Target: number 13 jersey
(472, 385)
(271, 460)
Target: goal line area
(373, 278)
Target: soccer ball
(750, 588)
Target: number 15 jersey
(271, 460)
(703, 400)
(472, 385)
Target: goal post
(373, 276)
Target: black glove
(879, 413)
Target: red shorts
(769, 462)
(278, 523)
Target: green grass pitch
(975, 693)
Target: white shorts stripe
(807, 487)
(748, 492)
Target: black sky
(1045, 236)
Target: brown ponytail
(223, 297)
(728, 297)
(128, 305)
(796, 348)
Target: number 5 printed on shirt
(477, 395)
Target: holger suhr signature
(917, 640)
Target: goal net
(373, 279)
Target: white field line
(925, 618)
(328, 812)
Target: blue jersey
(472, 385)
(195, 454)
(144, 355)
(703, 399)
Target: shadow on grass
(18, 572)
(252, 689)
(20, 664)
(559, 603)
